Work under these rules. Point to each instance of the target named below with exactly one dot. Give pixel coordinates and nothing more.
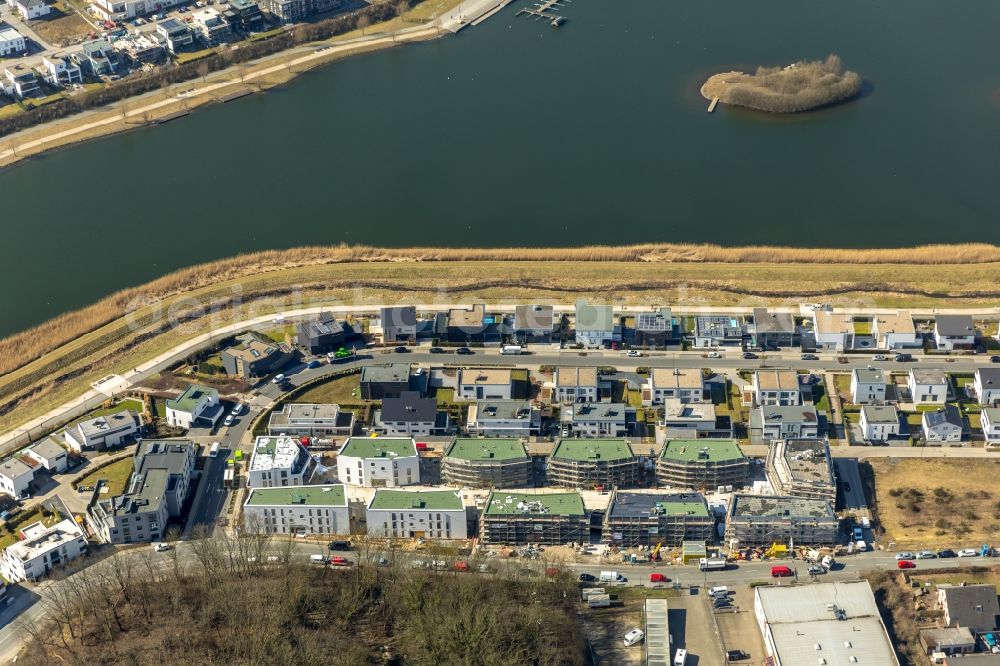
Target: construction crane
(655, 555)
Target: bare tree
(363, 22)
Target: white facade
(954, 332)
(300, 510)
(117, 10)
(190, 405)
(49, 455)
(879, 423)
(359, 464)
(279, 461)
(32, 9)
(894, 331)
(990, 421)
(777, 387)
(102, 432)
(15, 478)
(936, 430)
(11, 42)
(411, 515)
(868, 386)
(927, 387)
(987, 385)
(576, 385)
(684, 384)
(60, 70)
(42, 549)
(484, 384)
(833, 330)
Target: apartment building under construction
(486, 463)
(543, 518)
(593, 463)
(648, 519)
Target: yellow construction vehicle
(655, 555)
(776, 550)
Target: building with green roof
(417, 514)
(298, 510)
(196, 403)
(379, 462)
(702, 463)
(544, 518)
(650, 519)
(486, 463)
(592, 463)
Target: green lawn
(127, 403)
(279, 334)
(633, 398)
(9, 536)
(193, 55)
(265, 35)
(336, 391)
(116, 474)
(863, 327)
(445, 396)
(822, 403)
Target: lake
(516, 133)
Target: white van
(633, 637)
(681, 657)
(718, 591)
(317, 559)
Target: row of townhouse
(18, 473)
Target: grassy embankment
(57, 360)
(799, 87)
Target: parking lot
(693, 629)
(739, 630)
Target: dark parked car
(903, 358)
(437, 350)
(401, 350)
(947, 553)
(810, 357)
(464, 350)
(736, 655)
(339, 545)
(587, 578)
(313, 364)
(749, 355)
(994, 359)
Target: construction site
(646, 519)
(759, 520)
(486, 463)
(801, 468)
(593, 463)
(702, 464)
(534, 518)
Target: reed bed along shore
(22, 348)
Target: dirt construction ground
(935, 503)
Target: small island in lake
(799, 87)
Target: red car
(658, 578)
(906, 564)
(340, 562)
(780, 572)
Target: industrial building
(486, 463)
(761, 520)
(702, 463)
(545, 518)
(801, 468)
(591, 463)
(649, 519)
(822, 623)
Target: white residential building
(879, 422)
(15, 477)
(11, 42)
(298, 510)
(868, 386)
(42, 549)
(422, 514)
(484, 384)
(606, 419)
(378, 462)
(196, 403)
(309, 420)
(103, 432)
(684, 384)
(894, 331)
(954, 332)
(49, 455)
(987, 386)
(576, 385)
(279, 461)
(595, 325)
(833, 330)
(409, 415)
(504, 418)
(119, 10)
(990, 421)
(60, 70)
(943, 425)
(32, 9)
(784, 422)
(777, 387)
(928, 387)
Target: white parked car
(278, 379)
(160, 547)
(633, 637)
(714, 355)
(905, 555)
(879, 357)
(237, 409)
(967, 552)
(230, 420)
(633, 353)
